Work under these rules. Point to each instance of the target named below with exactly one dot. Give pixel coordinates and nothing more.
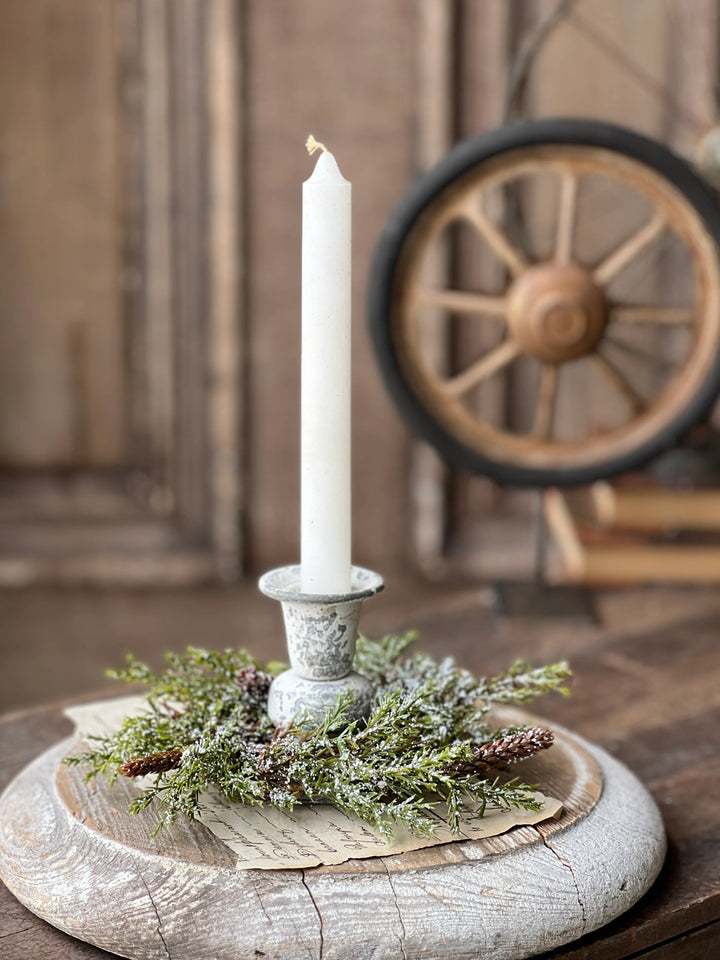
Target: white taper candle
(325, 547)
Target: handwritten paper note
(266, 838)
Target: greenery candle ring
(427, 741)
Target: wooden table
(652, 700)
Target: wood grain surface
(70, 852)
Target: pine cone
(507, 749)
(254, 681)
(515, 746)
(154, 763)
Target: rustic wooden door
(119, 397)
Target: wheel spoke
(547, 395)
(633, 398)
(566, 218)
(634, 351)
(628, 250)
(483, 368)
(497, 240)
(461, 301)
(637, 314)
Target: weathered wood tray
(72, 855)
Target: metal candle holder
(321, 633)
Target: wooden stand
(72, 855)
(602, 534)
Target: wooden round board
(72, 855)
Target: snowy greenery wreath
(426, 742)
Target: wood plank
(309, 63)
(563, 528)
(602, 557)
(180, 568)
(154, 387)
(700, 943)
(654, 509)
(483, 38)
(428, 475)
(638, 564)
(63, 393)
(226, 322)
(187, 25)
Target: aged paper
(266, 838)
(104, 717)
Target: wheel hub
(556, 313)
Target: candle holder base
(292, 694)
(321, 634)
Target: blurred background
(151, 156)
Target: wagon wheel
(636, 309)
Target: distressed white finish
(501, 899)
(321, 638)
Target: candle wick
(312, 145)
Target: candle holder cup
(321, 631)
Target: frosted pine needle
(426, 742)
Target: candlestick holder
(321, 632)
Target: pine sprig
(522, 683)
(426, 742)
